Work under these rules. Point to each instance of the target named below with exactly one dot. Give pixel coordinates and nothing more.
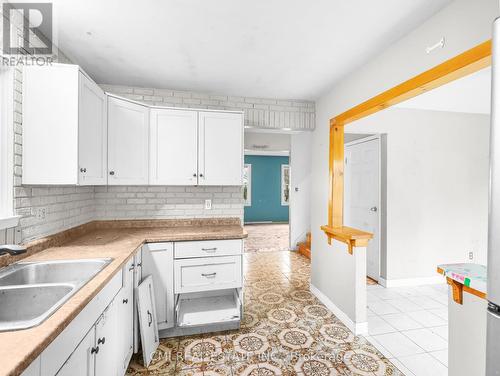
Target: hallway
(267, 237)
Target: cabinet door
(81, 362)
(220, 159)
(158, 262)
(137, 282)
(107, 360)
(147, 319)
(174, 147)
(125, 302)
(92, 133)
(128, 142)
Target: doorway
(362, 197)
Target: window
(247, 184)
(285, 185)
(7, 218)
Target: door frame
(381, 202)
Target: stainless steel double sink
(31, 291)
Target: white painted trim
(271, 153)
(357, 328)
(403, 282)
(170, 107)
(362, 140)
(7, 147)
(249, 128)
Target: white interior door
(174, 147)
(92, 133)
(128, 143)
(220, 148)
(147, 319)
(362, 195)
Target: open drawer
(208, 308)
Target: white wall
(272, 141)
(300, 194)
(436, 188)
(464, 24)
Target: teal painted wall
(266, 187)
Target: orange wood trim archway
(459, 66)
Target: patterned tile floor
(285, 331)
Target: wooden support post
(335, 205)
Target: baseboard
(356, 328)
(403, 282)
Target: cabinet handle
(94, 350)
(101, 341)
(125, 301)
(83, 169)
(139, 264)
(111, 173)
(209, 275)
(150, 318)
(211, 250)
(131, 267)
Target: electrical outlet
(471, 255)
(40, 213)
(208, 204)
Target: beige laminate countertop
(19, 348)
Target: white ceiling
(470, 94)
(275, 48)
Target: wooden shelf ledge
(459, 288)
(351, 236)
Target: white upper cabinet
(92, 133)
(128, 142)
(174, 147)
(64, 112)
(220, 155)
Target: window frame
(248, 201)
(282, 190)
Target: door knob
(373, 209)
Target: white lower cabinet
(82, 361)
(107, 347)
(100, 340)
(125, 301)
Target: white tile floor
(409, 325)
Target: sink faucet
(12, 249)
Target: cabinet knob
(132, 267)
(101, 341)
(111, 172)
(201, 175)
(83, 169)
(94, 350)
(125, 301)
(194, 175)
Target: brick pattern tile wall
(167, 202)
(259, 112)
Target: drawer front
(208, 248)
(209, 273)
